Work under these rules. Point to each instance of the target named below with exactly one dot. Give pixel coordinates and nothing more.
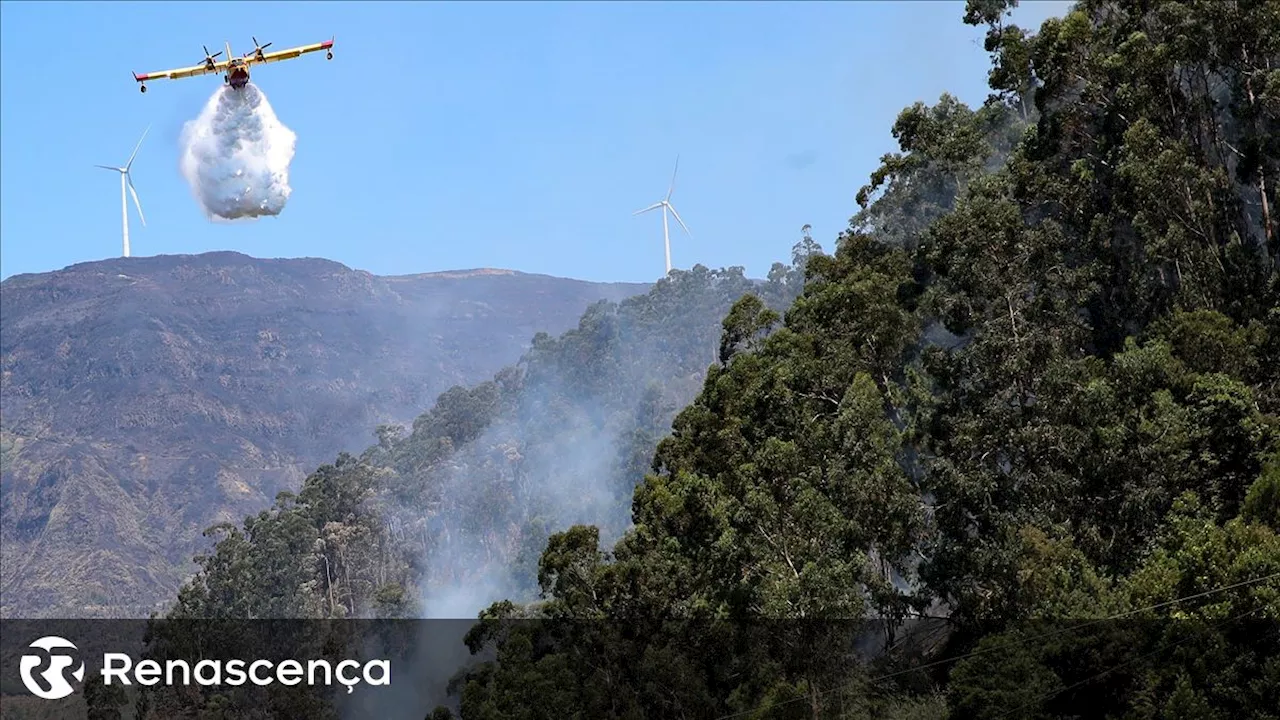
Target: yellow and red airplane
(235, 69)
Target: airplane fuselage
(237, 75)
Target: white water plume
(236, 155)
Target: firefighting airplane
(235, 69)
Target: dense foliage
(1036, 385)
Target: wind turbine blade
(135, 148)
(108, 167)
(677, 216)
(654, 206)
(672, 187)
(136, 204)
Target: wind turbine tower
(126, 180)
(665, 204)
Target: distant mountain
(144, 399)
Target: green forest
(1011, 449)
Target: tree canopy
(1032, 399)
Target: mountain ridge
(144, 399)
(229, 254)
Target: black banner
(557, 668)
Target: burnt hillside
(146, 398)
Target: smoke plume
(236, 155)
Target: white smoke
(236, 155)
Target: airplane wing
(186, 72)
(290, 53)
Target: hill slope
(147, 398)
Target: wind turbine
(665, 204)
(127, 180)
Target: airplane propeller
(256, 47)
(207, 57)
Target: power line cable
(1015, 643)
(1086, 681)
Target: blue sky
(458, 135)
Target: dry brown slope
(144, 399)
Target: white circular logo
(55, 679)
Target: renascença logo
(210, 672)
(117, 667)
(54, 676)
